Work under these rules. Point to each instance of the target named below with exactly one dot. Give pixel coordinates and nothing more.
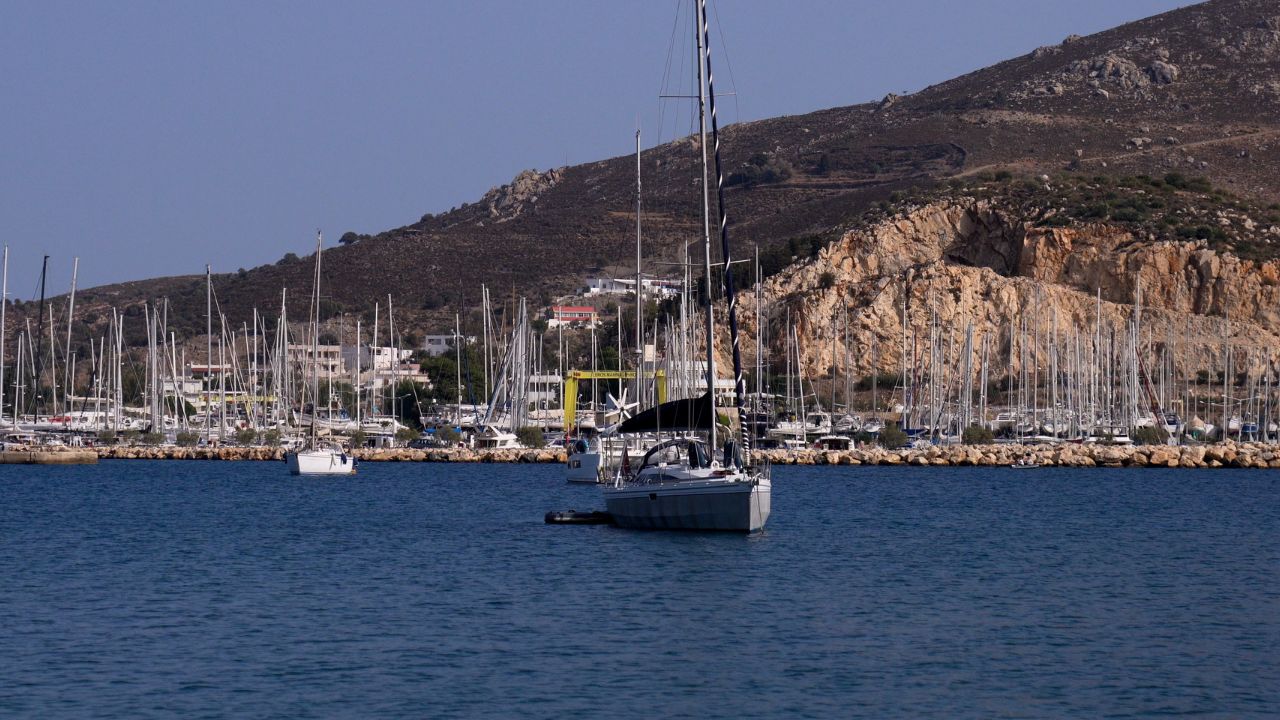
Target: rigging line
(666, 73)
(724, 50)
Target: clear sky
(149, 137)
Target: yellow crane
(575, 376)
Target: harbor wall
(1225, 455)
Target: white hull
(320, 462)
(709, 504)
(583, 468)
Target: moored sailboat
(680, 484)
(318, 458)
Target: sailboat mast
(315, 344)
(38, 358)
(69, 375)
(208, 350)
(700, 35)
(639, 288)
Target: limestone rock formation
(967, 261)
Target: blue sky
(151, 137)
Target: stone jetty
(1224, 455)
(48, 456)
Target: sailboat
(317, 458)
(680, 483)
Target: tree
(892, 437)
(976, 435)
(531, 437)
(271, 437)
(447, 435)
(187, 439)
(407, 435)
(246, 436)
(358, 439)
(406, 404)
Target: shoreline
(1224, 455)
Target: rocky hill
(1194, 91)
(995, 255)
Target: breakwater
(1224, 455)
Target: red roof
(573, 308)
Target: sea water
(204, 589)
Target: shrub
(106, 437)
(152, 438)
(976, 435)
(271, 437)
(407, 435)
(827, 280)
(531, 437)
(246, 436)
(447, 434)
(358, 438)
(1150, 435)
(892, 437)
(187, 439)
(131, 436)
(1003, 176)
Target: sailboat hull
(320, 462)
(704, 505)
(583, 468)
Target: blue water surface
(232, 590)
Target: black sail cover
(691, 414)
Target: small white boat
(1024, 464)
(583, 462)
(322, 460)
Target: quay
(1222, 455)
(66, 456)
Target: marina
(769, 392)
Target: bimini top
(678, 415)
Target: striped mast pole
(739, 386)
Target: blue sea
(136, 589)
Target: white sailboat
(318, 458)
(678, 484)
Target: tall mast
(69, 375)
(700, 36)
(37, 357)
(208, 351)
(315, 344)
(639, 288)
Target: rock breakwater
(1226, 455)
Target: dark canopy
(692, 414)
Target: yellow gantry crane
(575, 376)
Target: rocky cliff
(960, 260)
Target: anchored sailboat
(680, 484)
(318, 458)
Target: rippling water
(135, 589)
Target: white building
(653, 287)
(329, 364)
(374, 357)
(437, 345)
